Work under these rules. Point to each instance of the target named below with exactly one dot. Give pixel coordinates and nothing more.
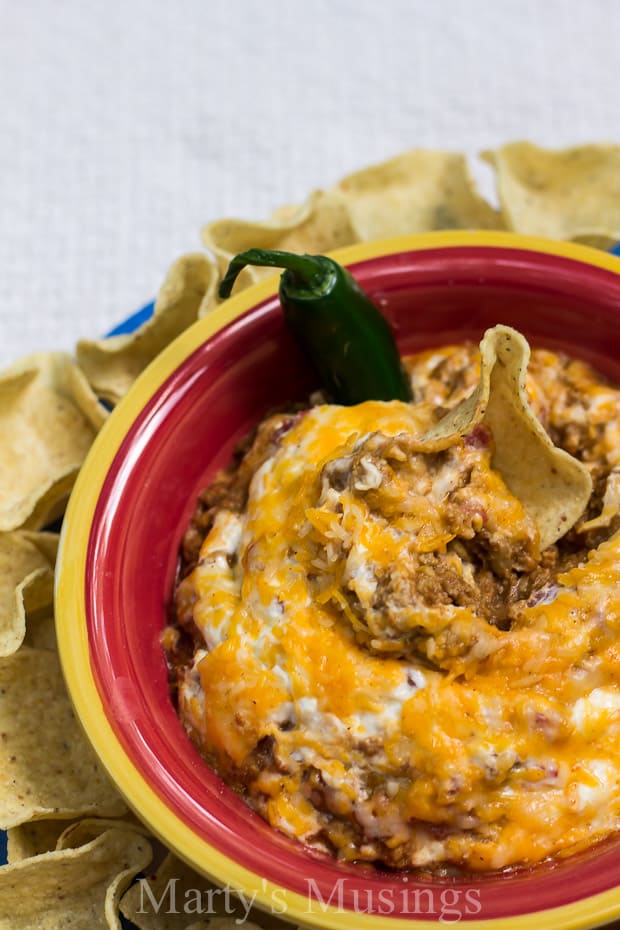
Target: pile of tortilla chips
(73, 848)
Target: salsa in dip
(372, 647)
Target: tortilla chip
(611, 504)
(79, 832)
(321, 224)
(112, 365)
(45, 439)
(26, 583)
(34, 839)
(416, 192)
(86, 399)
(41, 836)
(565, 194)
(72, 888)
(61, 373)
(47, 770)
(553, 487)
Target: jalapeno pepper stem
(305, 270)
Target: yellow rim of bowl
(73, 642)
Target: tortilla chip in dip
(553, 486)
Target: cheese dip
(370, 646)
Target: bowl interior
(188, 430)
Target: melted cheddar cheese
(381, 725)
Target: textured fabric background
(124, 126)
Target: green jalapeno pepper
(344, 336)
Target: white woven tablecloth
(124, 126)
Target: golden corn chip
(40, 836)
(327, 226)
(416, 192)
(26, 583)
(320, 225)
(610, 507)
(72, 888)
(61, 373)
(230, 236)
(565, 194)
(287, 212)
(176, 897)
(80, 832)
(45, 542)
(112, 365)
(553, 487)
(47, 770)
(46, 436)
(86, 399)
(34, 838)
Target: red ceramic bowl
(135, 496)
